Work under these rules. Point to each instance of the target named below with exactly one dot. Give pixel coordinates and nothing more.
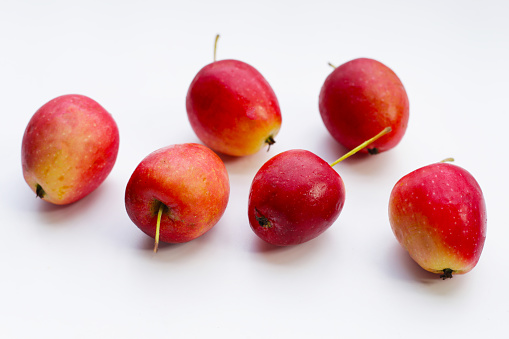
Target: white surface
(86, 271)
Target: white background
(86, 271)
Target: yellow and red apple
(438, 215)
(232, 108)
(69, 147)
(178, 193)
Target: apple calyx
(39, 191)
(215, 46)
(447, 274)
(270, 141)
(364, 144)
(162, 207)
(262, 220)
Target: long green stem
(158, 226)
(215, 46)
(361, 146)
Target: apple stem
(270, 141)
(448, 160)
(215, 46)
(39, 191)
(158, 226)
(262, 220)
(331, 65)
(361, 146)
(447, 274)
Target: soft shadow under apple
(403, 267)
(246, 164)
(58, 215)
(168, 252)
(282, 255)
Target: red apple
(438, 215)
(69, 147)
(178, 193)
(360, 98)
(232, 108)
(296, 196)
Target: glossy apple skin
(190, 180)
(294, 197)
(69, 147)
(361, 98)
(438, 215)
(232, 108)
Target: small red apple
(232, 108)
(360, 98)
(178, 193)
(438, 215)
(296, 196)
(69, 147)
